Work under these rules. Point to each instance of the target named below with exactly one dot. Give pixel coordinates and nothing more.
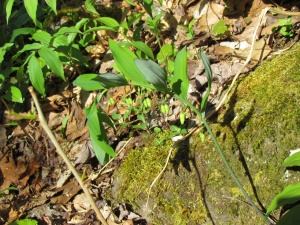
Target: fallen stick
(65, 157)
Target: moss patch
(256, 130)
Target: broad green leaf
(293, 160)
(13, 94)
(61, 40)
(290, 216)
(289, 195)
(42, 36)
(153, 73)
(144, 48)
(110, 22)
(36, 75)
(52, 5)
(52, 60)
(208, 73)
(109, 80)
(88, 82)
(3, 50)
(31, 7)
(124, 59)
(28, 47)
(8, 7)
(21, 31)
(98, 134)
(89, 4)
(180, 81)
(93, 82)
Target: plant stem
(65, 157)
(222, 155)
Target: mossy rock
(256, 129)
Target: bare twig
(262, 15)
(65, 157)
(158, 176)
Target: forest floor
(47, 190)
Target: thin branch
(65, 157)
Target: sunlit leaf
(289, 195)
(124, 59)
(31, 7)
(13, 94)
(220, 28)
(88, 82)
(180, 81)
(293, 160)
(144, 48)
(21, 31)
(8, 7)
(42, 36)
(153, 73)
(130, 2)
(52, 5)
(52, 60)
(89, 4)
(99, 28)
(28, 47)
(110, 22)
(98, 134)
(36, 75)
(109, 80)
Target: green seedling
(177, 130)
(189, 29)
(220, 30)
(286, 28)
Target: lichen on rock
(258, 126)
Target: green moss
(260, 124)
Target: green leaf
(21, 31)
(98, 134)
(144, 48)
(180, 81)
(31, 7)
(14, 94)
(289, 195)
(124, 59)
(27, 222)
(166, 51)
(52, 60)
(99, 28)
(109, 80)
(36, 75)
(42, 36)
(130, 2)
(28, 47)
(3, 50)
(88, 82)
(52, 5)
(290, 216)
(293, 160)
(110, 22)
(220, 28)
(153, 73)
(8, 7)
(89, 4)
(64, 30)
(208, 73)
